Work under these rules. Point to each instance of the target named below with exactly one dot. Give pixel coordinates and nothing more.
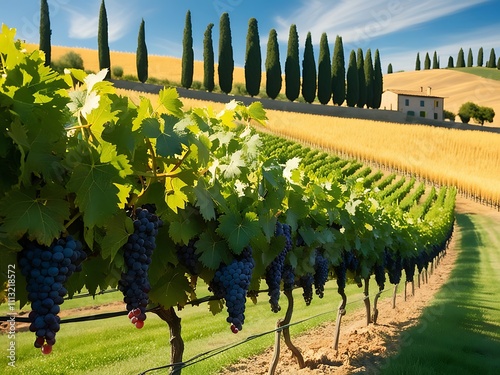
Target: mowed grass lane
(459, 333)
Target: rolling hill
(456, 86)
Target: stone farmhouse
(414, 103)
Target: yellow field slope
(457, 87)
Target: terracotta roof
(413, 93)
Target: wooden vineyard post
(176, 342)
(367, 301)
(394, 296)
(406, 283)
(286, 336)
(340, 314)
(412, 288)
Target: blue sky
(398, 28)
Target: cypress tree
(377, 81)
(226, 62)
(427, 61)
(492, 62)
(417, 62)
(324, 71)
(309, 72)
(338, 72)
(461, 59)
(253, 59)
(389, 69)
(187, 53)
(292, 65)
(498, 63)
(480, 57)
(102, 41)
(470, 59)
(368, 68)
(273, 66)
(45, 31)
(435, 61)
(208, 59)
(352, 81)
(450, 62)
(361, 79)
(142, 55)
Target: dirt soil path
(362, 349)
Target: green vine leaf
(169, 98)
(239, 230)
(213, 250)
(39, 214)
(172, 289)
(118, 229)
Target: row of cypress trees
(326, 82)
(491, 63)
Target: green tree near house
(377, 81)
(338, 72)
(427, 61)
(417, 62)
(492, 61)
(389, 69)
(480, 57)
(102, 41)
(187, 53)
(461, 59)
(352, 81)
(273, 66)
(324, 71)
(253, 59)
(470, 59)
(368, 69)
(226, 62)
(451, 64)
(208, 59)
(435, 61)
(292, 65)
(476, 112)
(361, 79)
(309, 72)
(141, 55)
(45, 31)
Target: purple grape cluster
(306, 282)
(274, 271)
(186, 254)
(409, 267)
(379, 271)
(46, 269)
(231, 282)
(394, 266)
(134, 283)
(288, 277)
(321, 270)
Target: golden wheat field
(469, 160)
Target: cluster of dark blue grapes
(46, 269)
(320, 274)
(341, 274)
(231, 282)
(274, 271)
(409, 267)
(306, 282)
(186, 254)
(394, 266)
(379, 271)
(288, 276)
(137, 253)
(351, 261)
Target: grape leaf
(213, 250)
(169, 97)
(183, 230)
(215, 306)
(118, 229)
(40, 214)
(257, 112)
(172, 289)
(175, 197)
(97, 192)
(238, 230)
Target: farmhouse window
(407, 102)
(435, 116)
(411, 113)
(422, 103)
(422, 113)
(436, 103)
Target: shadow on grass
(453, 335)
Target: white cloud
(357, 21)
(84, 24)
(485, 37)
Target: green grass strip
(459, 333)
